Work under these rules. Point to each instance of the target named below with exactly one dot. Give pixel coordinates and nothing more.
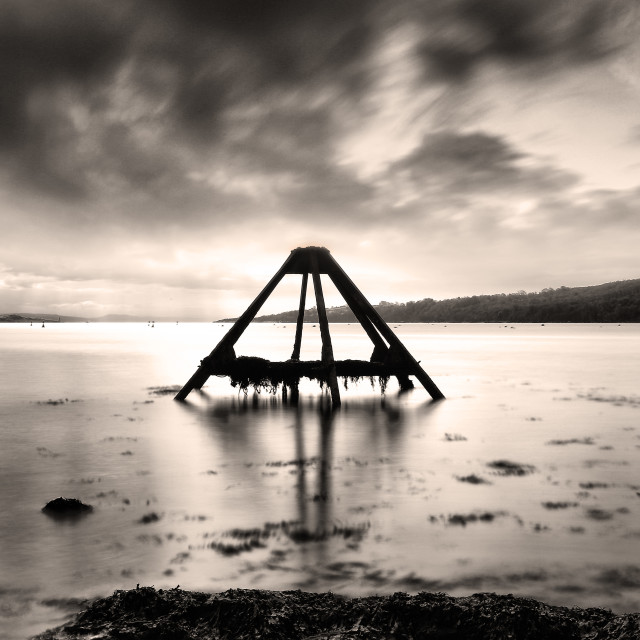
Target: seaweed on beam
(265, 375)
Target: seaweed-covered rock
(240, 614)
(66, 507)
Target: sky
(162, 157)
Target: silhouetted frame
(390, 356)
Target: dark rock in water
(66, 507)
(291, 615)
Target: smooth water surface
(524, 480)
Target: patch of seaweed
(508, 468)
(599, 514)
(259, 374)
(298, 462)
(163, 391)
(246, 614)
(454, 437)
(355, 380)
(47, 453)
(627, 577)
(302, 534)
(472, 479)
(590, 464)
(235, 548)
(249, 371)
(464, 519)
(559, 505)
(572, 441)
(617, 401)
(594, 485)
(346, 380)
(244, 540)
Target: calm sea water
(524, 480)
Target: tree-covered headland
(611, 302)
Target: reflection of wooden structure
(389, 357)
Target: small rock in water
(66, 507)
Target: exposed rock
(148, 518)
(66, 507)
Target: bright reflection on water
(523, 481)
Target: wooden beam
(379, 344)
(245, 319)
(343, 282)
(291, 370)
(224, 349)
(303, 296)
(327, 348)
(380, 347)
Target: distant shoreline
(39, 319)
(18, 318)
(613, 302)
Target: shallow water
(524, 480)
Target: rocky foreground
(147, 613)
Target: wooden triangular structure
(390, 356)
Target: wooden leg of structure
(379, 344)
(295, 393)
(343, 282)
(224, 349)
(327, 348)
(303, 297)
(380, 347)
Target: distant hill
(610, 302)
(38, 317)
(51, 317)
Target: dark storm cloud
(477, 162)
(292, 148)
(126, 101)
(291, 41)
(460, 35)
(42, 44)
(45, 47)
(604, 209)
(99, 98)
(472, 156)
